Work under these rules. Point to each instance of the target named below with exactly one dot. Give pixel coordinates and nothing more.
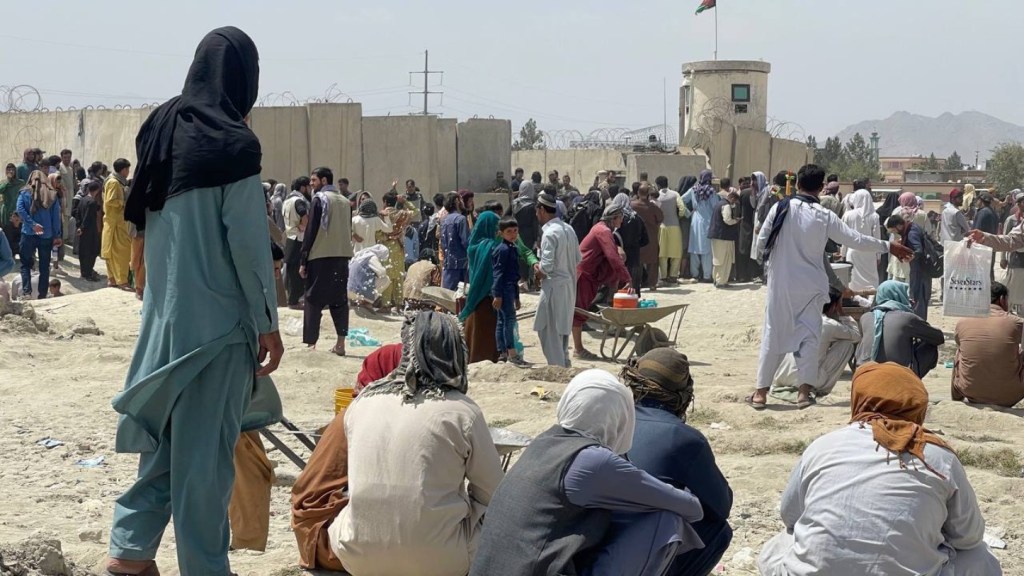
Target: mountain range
(906, 134)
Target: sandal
(338, 351)
(585, 355)
(804, 404)
(755, 405)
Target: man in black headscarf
(209, 319)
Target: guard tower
(732, 90)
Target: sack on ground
(966, 282)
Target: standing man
(326, 250)
(117, 245)
(295, 211)
(920, 282)
(567, 192)
(87, 219)
(670, 236)
(652, 217)
(414, 197)
(210, 317)
(10, 188)
(954, 227)
(559, 257)
(987, 220)
(29, 163)
(67, 179)
(791, 242)
(454, 244)
(517, 179)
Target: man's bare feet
(804, 398)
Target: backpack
(931, 262)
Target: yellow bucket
(342, 399)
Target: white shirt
(367, 228)
(797, 282)
(559, 257)
(421, 475)
(850, 509)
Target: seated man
(988, 368)
(420, 275)
(893, 333)
(321, 490)
(882, 495)
(421, 463)
(667, 448)
(839, 338)
(573, 505)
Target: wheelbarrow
(618, 327)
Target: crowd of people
(407, 479)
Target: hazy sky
(570, 64)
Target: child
(55, 288)
(505, 290)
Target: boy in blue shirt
(505, 290)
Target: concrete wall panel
(447, 155)
(398, 148)
(787, 155)
(672, 166)
(336, 140)
(753, 153)
(283, 134)
(721, 150)
(484, 148)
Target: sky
(570, 64)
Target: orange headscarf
(893, 400)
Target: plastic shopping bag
(966, 281)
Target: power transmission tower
(426, 82)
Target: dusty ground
(61, 389)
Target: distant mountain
(906, 134)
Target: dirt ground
(59, 385)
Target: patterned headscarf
(622, 202)
(704, 189)
(434, 359)
(662, 376)
(908, 201)
(43, 195)
(893, 401)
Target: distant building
(975, 177)
(893, 167)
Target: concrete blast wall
(397, 148)
(103, 135)
(440, 154)
(753, 153)
(485, 146)
(788, 155)
(671, 166)
(581, 165)
(284, 137)
(447, 156)
(336, 141)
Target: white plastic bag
(966, 281)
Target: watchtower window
(741, 92)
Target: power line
(426, 81)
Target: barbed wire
(332, 95)
(611, 138)
(20, 98)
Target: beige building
(893, 167)
(735, 91)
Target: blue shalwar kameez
(210, 293)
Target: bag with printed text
(966, 282)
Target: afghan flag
(706, 5)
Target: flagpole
(716, 32)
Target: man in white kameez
(839, 338)
(559, 256)
(881, 495)
(791, 243)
